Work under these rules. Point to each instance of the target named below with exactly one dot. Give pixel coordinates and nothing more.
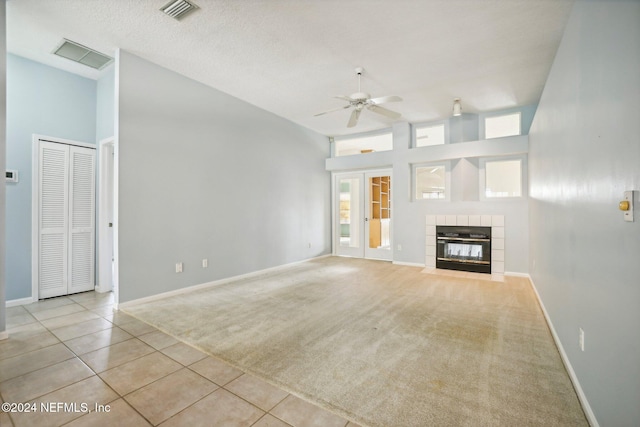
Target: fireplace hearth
(463, 248)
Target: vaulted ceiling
(291, 57)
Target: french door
(362, 215)
(65, 219)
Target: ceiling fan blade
(344, 98)
(353, 120)
(384, 99)
(384, 111)
(331, 111)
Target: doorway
(363, 215)
(63, 207)
(105, 217)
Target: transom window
(348, 146)
(430, 135)
(504, 125)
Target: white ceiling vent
(177, 9)
(82, 54)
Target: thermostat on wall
(11, 176)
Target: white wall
(409, 215)
(205, 175)
(584, 152)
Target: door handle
(366, 219)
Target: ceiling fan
(361, 100)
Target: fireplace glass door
(464, 248)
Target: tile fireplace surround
(496, 222)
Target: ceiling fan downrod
(359, 71)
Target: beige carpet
(384, 345)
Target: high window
(431, 182)
(429, 135)
(502, 178)
(504, 125)
(346, 146)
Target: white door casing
(106, 217)
(354, 187)
(63, 217)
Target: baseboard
(591, 418)
(21, 301)
(4, 335)
(213, 283)
(516, 274)
(102, 289)
(409, 264)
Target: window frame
(482, 170)
(337, 139)
(447, 181)
(502, 114)
(414, 133)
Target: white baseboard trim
(4, 335)
(213, 283)
(516, 274)
(21, 301)
(102, 289)
(591, 418)
(409, 264)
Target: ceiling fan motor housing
(360, 96)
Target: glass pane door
(362, 218)
(378, 216)
(349, 228)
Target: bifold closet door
(66, 219)
(82, 216)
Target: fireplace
(463, 248)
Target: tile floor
(76, 350)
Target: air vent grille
(82, 55)
(177, 9)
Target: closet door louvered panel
(82, 220)
(53, 206)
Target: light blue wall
(206, 175)
(584, 152)
(105, 104)
(3, 123)
(47, 101)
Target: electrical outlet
(309, 245)
(178, 267)
(581, 339)
(205, 263)
(399, 247)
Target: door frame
(364, 174)
(369, 252)
(335, 214)
(35, 204)
(106, 188)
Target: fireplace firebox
(463, 248)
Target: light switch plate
(628, 214)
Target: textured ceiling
(291, 57)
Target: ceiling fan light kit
(361, 100)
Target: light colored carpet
(384, 345)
